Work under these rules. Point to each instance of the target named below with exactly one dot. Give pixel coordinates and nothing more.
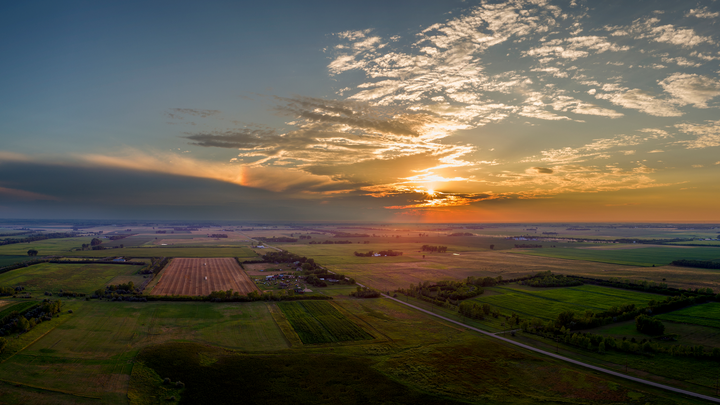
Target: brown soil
(187, 277)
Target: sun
(431, 193)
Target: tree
(649, 325)
(492, 247)
(23, 324)
(95, 242)
(32, 252)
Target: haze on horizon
(415, 111)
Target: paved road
(563, 358)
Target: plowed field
(188, 277)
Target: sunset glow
(495, 106)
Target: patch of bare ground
(390, 276)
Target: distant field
(164, 251)
(698, 242)
(548, 303)
(45, 247)
(130, 241)
(320, 322)
(648, 256)
(345, 254)
(53, 277)
(8, 260)
(704, 315)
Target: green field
(8, 260)
(179, 251)
(90, 352)
(642, 256)
(704, 315)
(45, 247)
(18, 306)
(548, 303)
(320, 322)
(53, 277)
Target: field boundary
(563, 358)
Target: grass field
(320, 322)
(90, 352)
(54, 277)
(240, 251)
(390, 276)
(548, 303)
(45, 247)
(645, 256)
(8, 260)
(704, 315)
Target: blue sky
(432, 111)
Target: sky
(402, 111)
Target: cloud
(595, 149)
(648, 28)
(638, 99)
(539, 170)
(23, 195)
(574, 48)
(707, 135)
(573, 178)
(241, 138)
(702, 13)
(691, 88)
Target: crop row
(320, 322)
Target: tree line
(35, 238)
(439, 249)
(703, 264)
(389, 252)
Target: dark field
(320, 322)
(631, 255)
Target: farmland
(8, 260)
(53, 277)
(45, 247)
(320, 322)
(90, 352)
(643, 256)
(6, 307)
(164, 251)
(185, 276)
(344, 350)
(389, 276)
(548, 303)
(704, 315)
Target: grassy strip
(282, 322)
(704, 315)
